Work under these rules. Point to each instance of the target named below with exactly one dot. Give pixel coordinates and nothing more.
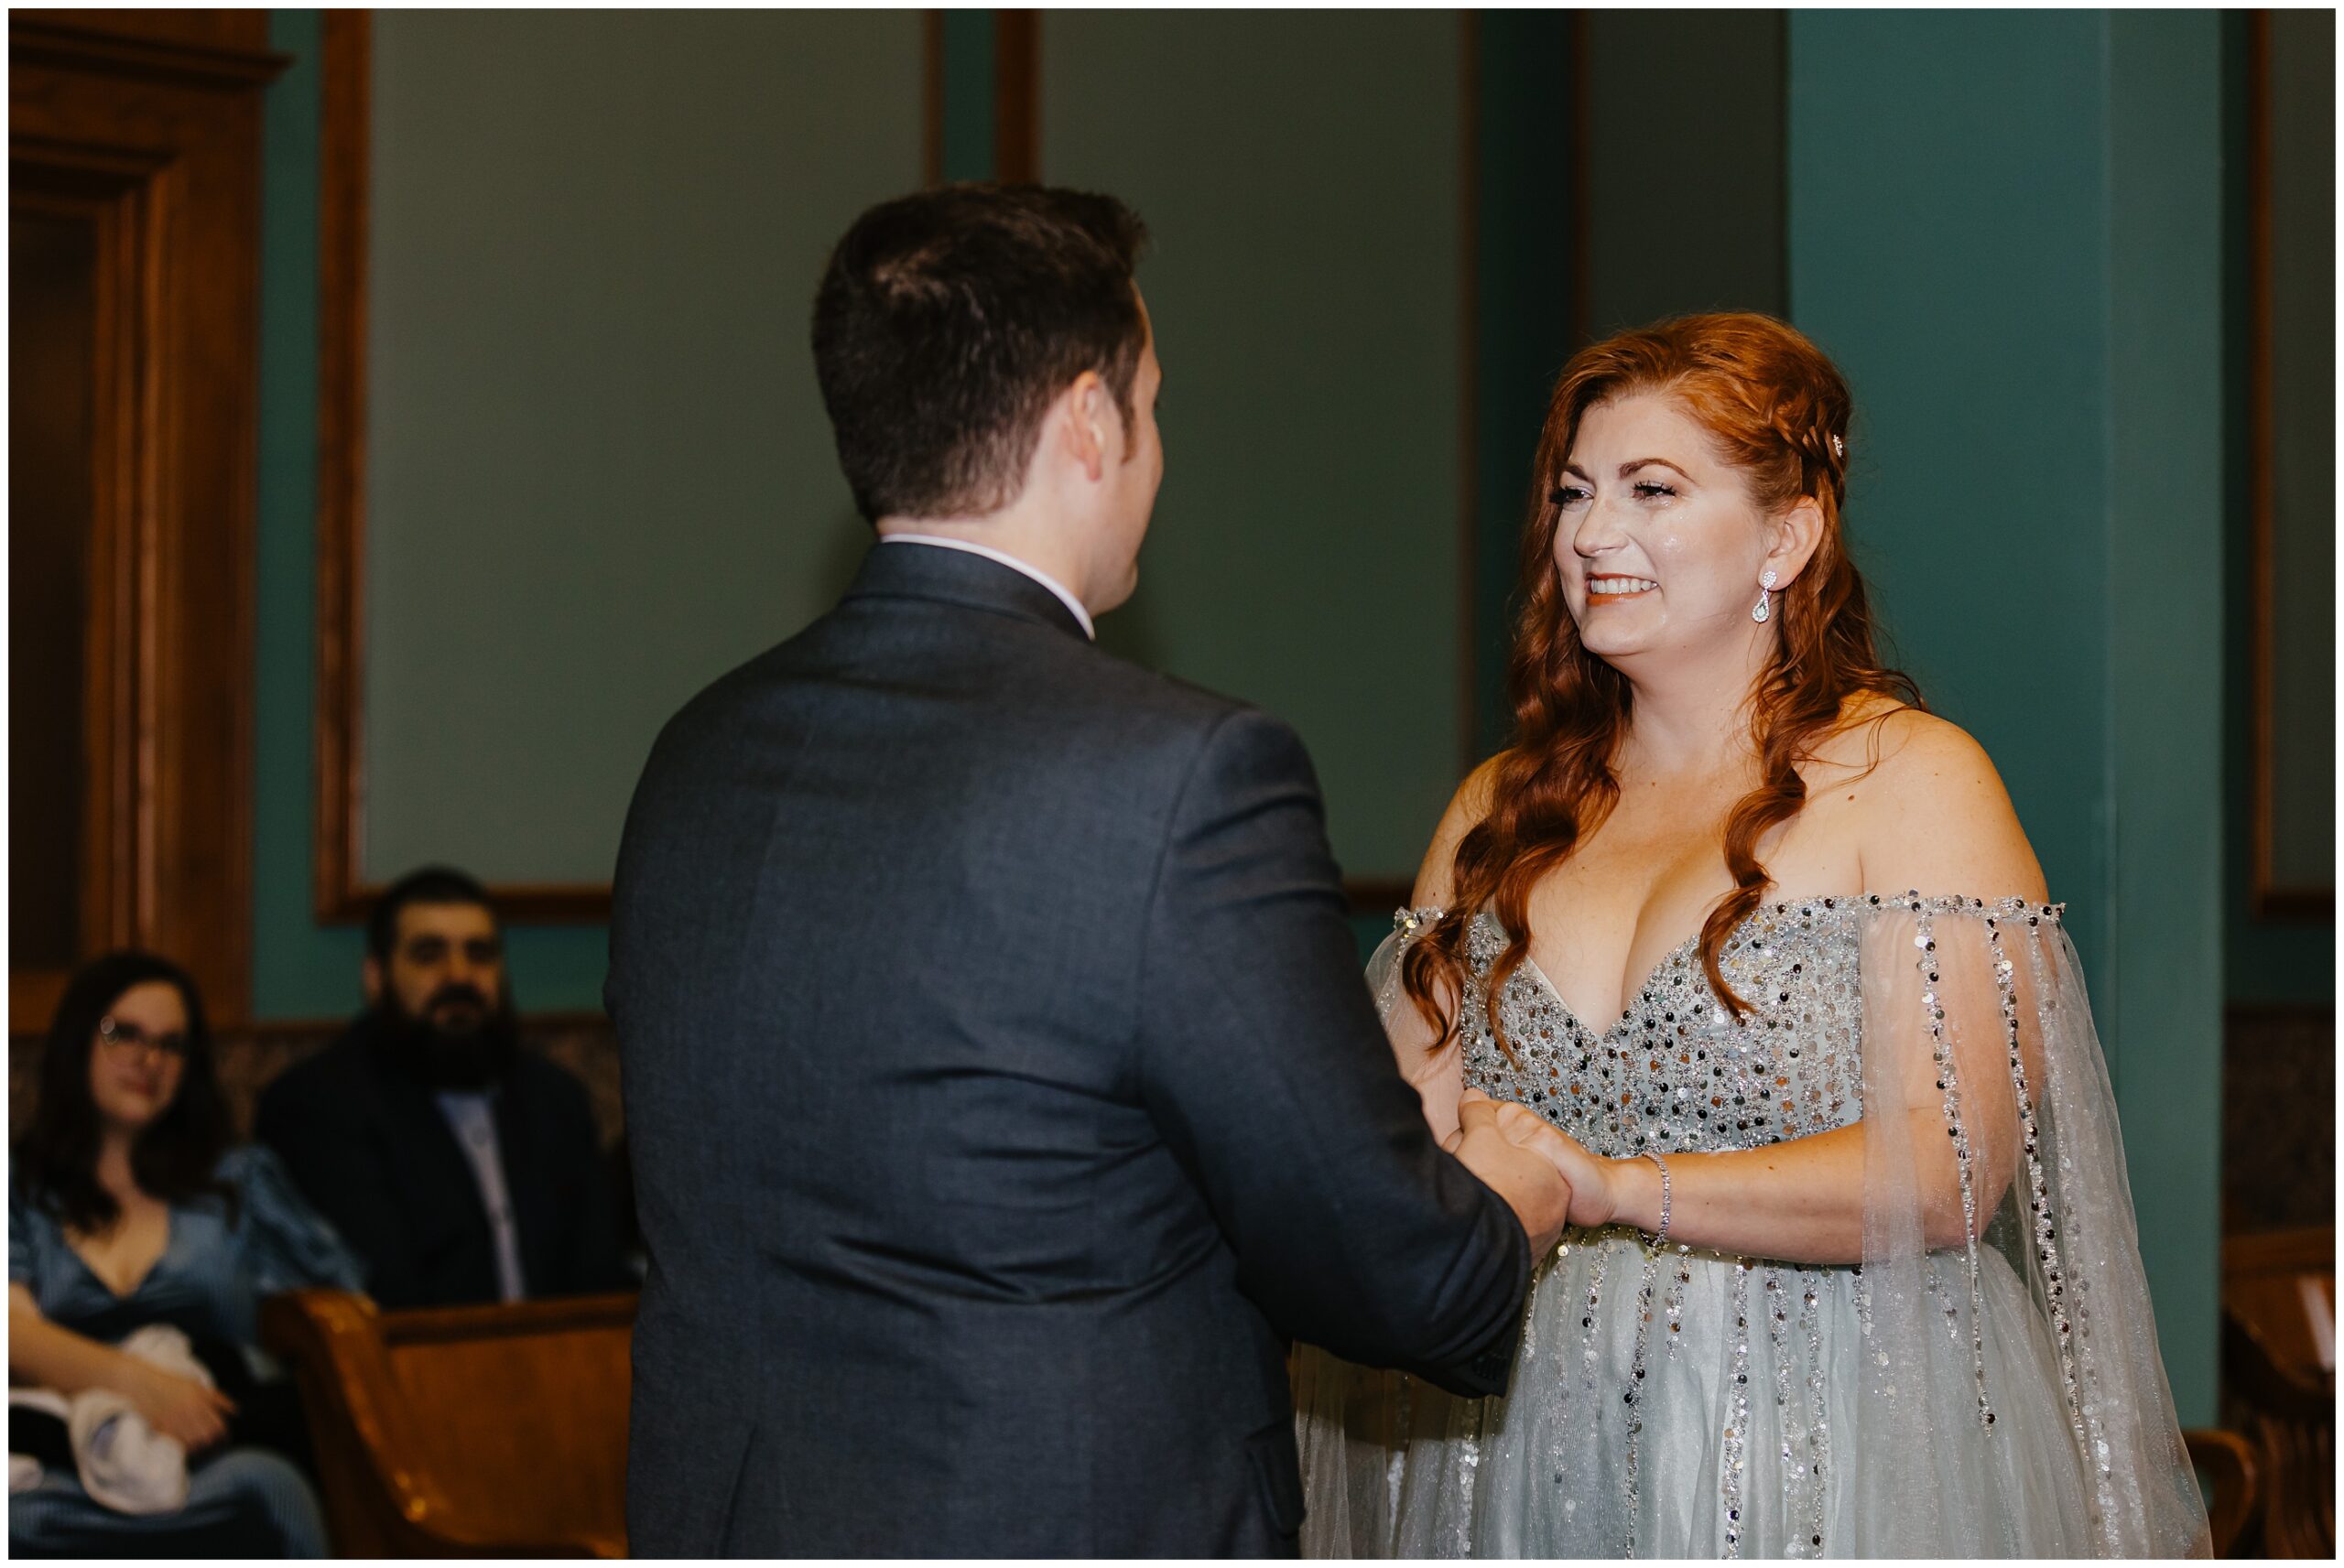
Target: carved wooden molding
(169, 62)
(344, 81)
(155, 146)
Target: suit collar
(959, 577)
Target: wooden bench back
(2279, 1372)
(469, 1430)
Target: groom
(1000, 1082)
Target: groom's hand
(1498, 1142)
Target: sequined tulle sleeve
(1384, 965)
(2002, 1283)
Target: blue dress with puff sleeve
(215, 1268)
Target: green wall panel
(1978, 488)
(598, 470)
(966, 136)
(563, 544)
(1302, 176)
(2166, 662)
(2005, 227)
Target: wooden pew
(2227, 1463)
(2279, 1371)
(466, 1432)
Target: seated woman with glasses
(130, 1216)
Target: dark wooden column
(135, 146)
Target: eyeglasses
(121, 1035)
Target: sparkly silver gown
(1995, 1397)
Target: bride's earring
(1761, 612)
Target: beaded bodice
(1679, 1070)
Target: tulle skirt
(1686, 1404)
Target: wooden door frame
(155, 142)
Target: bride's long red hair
(1777, 410)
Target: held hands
(176, 1406)
(1508, 1147)
(1492, 1138)
(1595, 1182)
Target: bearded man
(460, 1167)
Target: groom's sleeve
(1266, 1069)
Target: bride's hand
(1497, 1140)
(1594, 1183)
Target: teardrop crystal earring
(1761, 612)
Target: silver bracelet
(1660, 1236)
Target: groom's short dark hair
(948, 321)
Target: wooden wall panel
(152, 142)
(2291, 460)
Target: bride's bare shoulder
(1927, 807)
(1436, 877)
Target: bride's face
(1660, 545)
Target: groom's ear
(1087, 413)
(1792, 537)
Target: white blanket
(123, 1463)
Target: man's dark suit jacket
(367, 1145)
(1002, 1088)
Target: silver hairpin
(1839, 448)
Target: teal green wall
(2165, 647)
(2006, 228)
(1303, 177)
(967, 133)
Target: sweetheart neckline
(1554, 994)
(1913, 900)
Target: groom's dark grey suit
(1002, 1092)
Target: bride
(1852, 1268)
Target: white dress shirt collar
(1073, 604)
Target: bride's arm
(1438, 1075)
(1935, 817)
